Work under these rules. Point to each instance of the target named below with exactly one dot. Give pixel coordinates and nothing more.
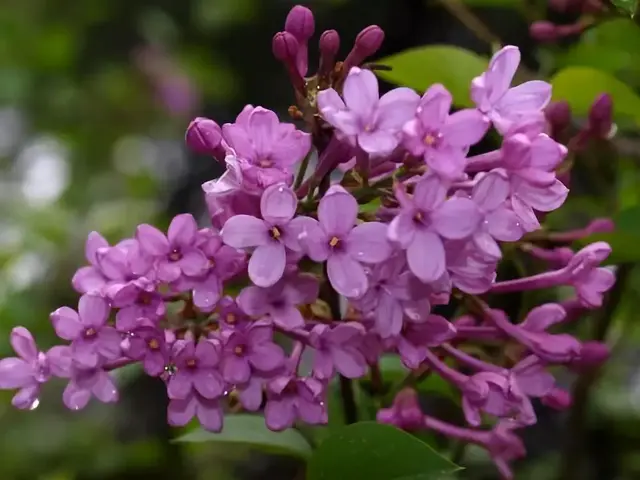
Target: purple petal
(434, 107)
(527, 216)
(456, 218)
(23, 344)
(152, 240)
(541, 318)
(429, 193)
(168, 271)
(242, 231)
(290, 149)
(267, 357)
(193, 263)
(360, 92)
(388, 316)
(182, 230)
(278, 204)
(528, 97)
(66, 323)
(60, 361)
(94, 242)
(207, 294)
(312, 412)
(402, 229)
(208, 354)
(465, 128)
(280, 414)
(235, 369)
(267, 263)
(88, 279)
(411, 355)
(26, 398)
(546, 153)
(251, 395)
(108, 343)
(181, 411)
(487, 245)
(74, 397)
(426, 256)
(347, 276)
(312, 239)
(15, 373)
(154, 364)
(491, 191)
(287, 317)
(502, 69)
(179, 385)
(337, 213)
(210, 415)
(93, 310)
(322, 365)
(334, 111)
(447, 162)
(349, 362)
(301, 289)
(104, 388)
(263, 126)
(504, 225)
(378, 142)
(543, 199)
(368, 243)
(396, 108)
(84, 352)
(254, 301)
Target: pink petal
(526, 215)
(152, 240)
(23, 344)
(267, 263)
(15, 373)
(60, 361)
(312, 239)
(88, 279)
(291, 149)
(368, 243)
(94, 242)
(502, 69)
(26, 398)
(447, 162)
(104, 388)
(429, 193)
(434, 107)
(108, 343)
(278, 204)
(242, 231)
(457, 218)
(503, 224)
(528, 97)
(543, 199)
(93, 310)
(491, 191)
(66, 323)
(182, 230)
(465, 128)
(541, 318)
(546, 153)
(193, 263)
(360, 92)
(487, 245)
(396, 108)
(334, 111)
(239, 140)
(402, 229)
(74, 397)
(378, 142)
(263, 127)
(426, 256)
(347, 276)
(337, 213)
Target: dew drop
(281, 189)
(35, 404)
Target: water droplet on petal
(35, 404)
(281, 189)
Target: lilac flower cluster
(225, 312)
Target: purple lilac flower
(137, 299)
(424, 218)
(290, 398)
(416, 338)
(85, 383)
(280, 301)
(590, 280)
(338, 349)
(231, 316)
(248, 350)
(176, 253)
(196, 370)
(532, 378)
(147, 344)
(92, 339)
(469, 268)
(503, 104)
(405, 412)
(271, 236)
(366, 119)
(207, 410)
(345, 248)
(443, 140)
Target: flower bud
(367, 43)
(329, 46)
(601, 116)
(601, 225)
(592, 355)
(558, 399)
(558, 115)
(203, 136)
(544, 31)
(285, 47)
(405, 412)
(300, 23)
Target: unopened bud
(329, 46)
(601, 225)
(203, 136)
(558, 115)
(592, 355)
(367, 43)
(405, 412)
(544, 31)
(285, 47)
(601, 116)
(558, 399)
(300, 23)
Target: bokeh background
(95, 97)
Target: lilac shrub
(292, 262)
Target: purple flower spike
(92, 339)
(405, 412)
(338, 349)
(137, 299)
(271, 236)
(443, 140)
(247, 350)
(503, 104)
(176, 253)
(366, 119)
(207, 410)
(345, 248)
(280, 300)
(424, 219)
(147, 344)
(290, 398)
(196, 369)
(87, 382)
(416, 338)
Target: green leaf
(250, 430)
(370, 207)
(371, 451)
(419, 68)
(624, 240)
(628, 7)
(579, 86)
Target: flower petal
(465, 128)
(347, 276)
(267, 263)
(181, 411)
(368, 243)
(182, 230)
(278, 204)
(429, 193)
(93, 310)
(337, 212)
(66, 323)
(491, 191)
(360, 92)
(254, 300)
(23, 344)
(152, 240)
(15, 373)
(426, 256)
(456, 218)
(242, 231)
(396, 108)
(378, 142)
(528, 97)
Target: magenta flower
(91, 278)
(272, 236)
(443, 140)
(426, 217)
(87, 382)
(92, 339)
(503, 446)
(28, 370)
(338, 349)
(503, 104)
(290, 398)
(196, 369)
(148, 345)
(372, 122)
(280, 301)
(175, 254)
(207, 410)
(248, 350)
(532, 378)
(334, 238)
(137, 299)
(532, 156)
(590, 280)
(469, 268)
(405, 413)
(416, 338)
(259, 139)
(231, 316)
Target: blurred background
(95, 97)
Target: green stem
(302, 170)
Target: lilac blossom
(207, 410)
(440, 138)
(416, 338)
(85, 383)
(91, 278)
(231, 316)
(196, 370)
(271, 236)
(290, 398)
(424, 219)
(338, 349)
(503, 104)
(148, 344)
(405, 412)
(137, 299)
(176, 253)
(372, 122)
(92, 339)
(279, 302)
(334, 239)
(590, 280)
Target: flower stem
(302, 170)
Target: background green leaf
(624, 240)
(371, 451)
(420, 68)
(250, 430)
(628, 7)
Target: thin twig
(470, 20)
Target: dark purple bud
(203, 136)
(558, 399)
(601, 225)
(367, 43)
(285, 47)
(300, 23)
(329, 46)
(405, 412)
(592, 355)
(558, 115)
(544, 31)
(601, 116)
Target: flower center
(368, 128)
(430, 139)
(239, 350)
(334, 242)
(418, 217)
(153, 344)
(230, 318)
(145, 298)
(191, 363)
(90, 332)
(275, 233)
(265, 163)
(290, 389)
(175, 255)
